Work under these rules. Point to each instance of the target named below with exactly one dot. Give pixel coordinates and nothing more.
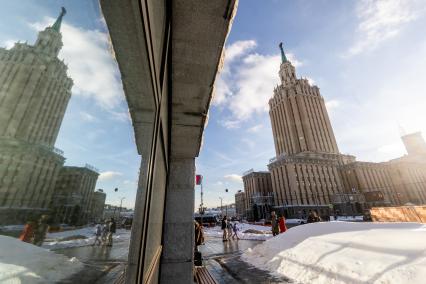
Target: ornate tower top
(49, 41)
(57, 25)
(283, 57)
(287, 71)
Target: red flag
(198, 179)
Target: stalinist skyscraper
(305, 171)
(308, 172)
(34, 94)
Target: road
(222, 260)
(98, 260)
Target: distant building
(414, 144)
(258, 195)
(116, 212)
(73, 194)
(34, 93)
(240, 204)
(309, 173)
(97, 205)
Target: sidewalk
(223, 261)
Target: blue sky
(367, 57)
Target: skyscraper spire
(57, 25)
(283, 58)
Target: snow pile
(346, 252)
(83, 237)
(12, 228)
(21, 262)
(262, 232)
(350, 218)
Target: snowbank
(83, 237)
(21, 262)
(264, 232)
(12, 228)
(346, 252)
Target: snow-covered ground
(256, 232)
(346, 252)
(21, 262)
(79, 238)
(12, 228)
(350, 218)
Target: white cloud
(130, 183)
(382, 20)
(249, 142)
(247, 82)
(109, 175)
(310, 80)
(9, 43)
(231, 124)
(87, 116)
(255, 128)
(238, 49)
(296, 63)
(90, 64)
(254, 82)
(233, 178)
(332, 104)
(393, 149)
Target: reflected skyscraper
(34, 93)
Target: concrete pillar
(178, 234)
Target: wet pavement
(223, 261)
(99, 261)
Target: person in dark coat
(199, 235)
(224, 229)
(274, 223)
(41, 230)
(98, 234)
(313, 217)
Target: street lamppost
(221, 209)
(121, 203)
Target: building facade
(178, 46)
(97, 206)
(305, 172)
(240, 201)
(34, 93)
(308, 172)
(74, 191)
(258, 195)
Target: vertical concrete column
(178, 234)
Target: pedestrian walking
(313, 217)
(27, 234)
(98, 234)
(111, 231)
(235, 230)
(274, 224)
(281, 222)
(224, 229)
(104, 232)
(229, 227)
(199, 240)
(41, 230)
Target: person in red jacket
(27, 234)
(281, 222)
